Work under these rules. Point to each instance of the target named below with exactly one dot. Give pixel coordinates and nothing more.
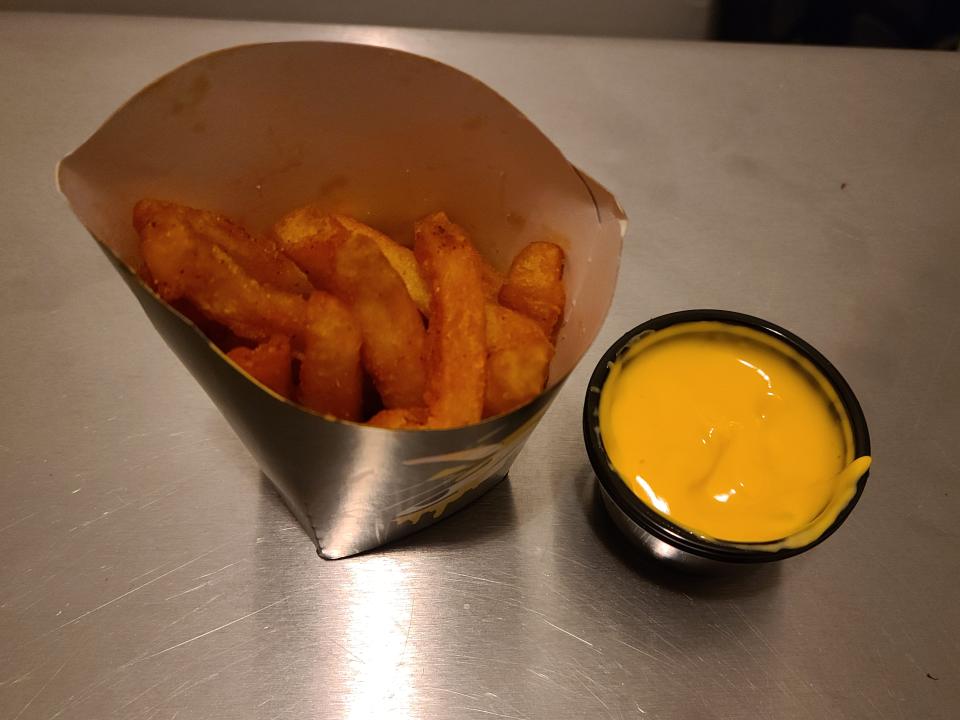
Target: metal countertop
(148, 570)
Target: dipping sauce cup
(658, 420)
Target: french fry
(258, 256)
(486, 351)
(518, 360)
(346, 261)
(456, 348)
(183, 264)
(331, 381)
(393, 332)
(304, 235)
(269, 364)
(400, 419)
(299, 225)
(310, 238)
(534, 285)
(400, 258)
(403, 260)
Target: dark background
(932, 24)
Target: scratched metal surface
(148, 571)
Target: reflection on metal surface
(379, 681)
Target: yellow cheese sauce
(730, 433)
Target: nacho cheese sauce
(730, 433)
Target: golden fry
(341, 256)
(534, 285)
(331, 381)
(400, 419)
(400, 258)
(507, 328)
(310, 238)
(306, 233)
(518, 360)
(393, 332)
(258, 256)
(476, 359)
(299, 225)
(183, 264)
(269, 364)
(456, 348)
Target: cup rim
(661, 527)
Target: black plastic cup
(655, 533)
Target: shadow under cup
(655, 533)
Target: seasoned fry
(258, 256)
(507, 328)
(185, 265)
(342, 257)
(456, 348)
(310, 238)
(400, 419)
(393, 332)
(350, 305)
(269, 364)
(331, 381)
(518, 360)
(534, 285)
(400, 258)
(299, 225)
(306, 233)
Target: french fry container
(388, 137)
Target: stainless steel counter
(148, 570)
